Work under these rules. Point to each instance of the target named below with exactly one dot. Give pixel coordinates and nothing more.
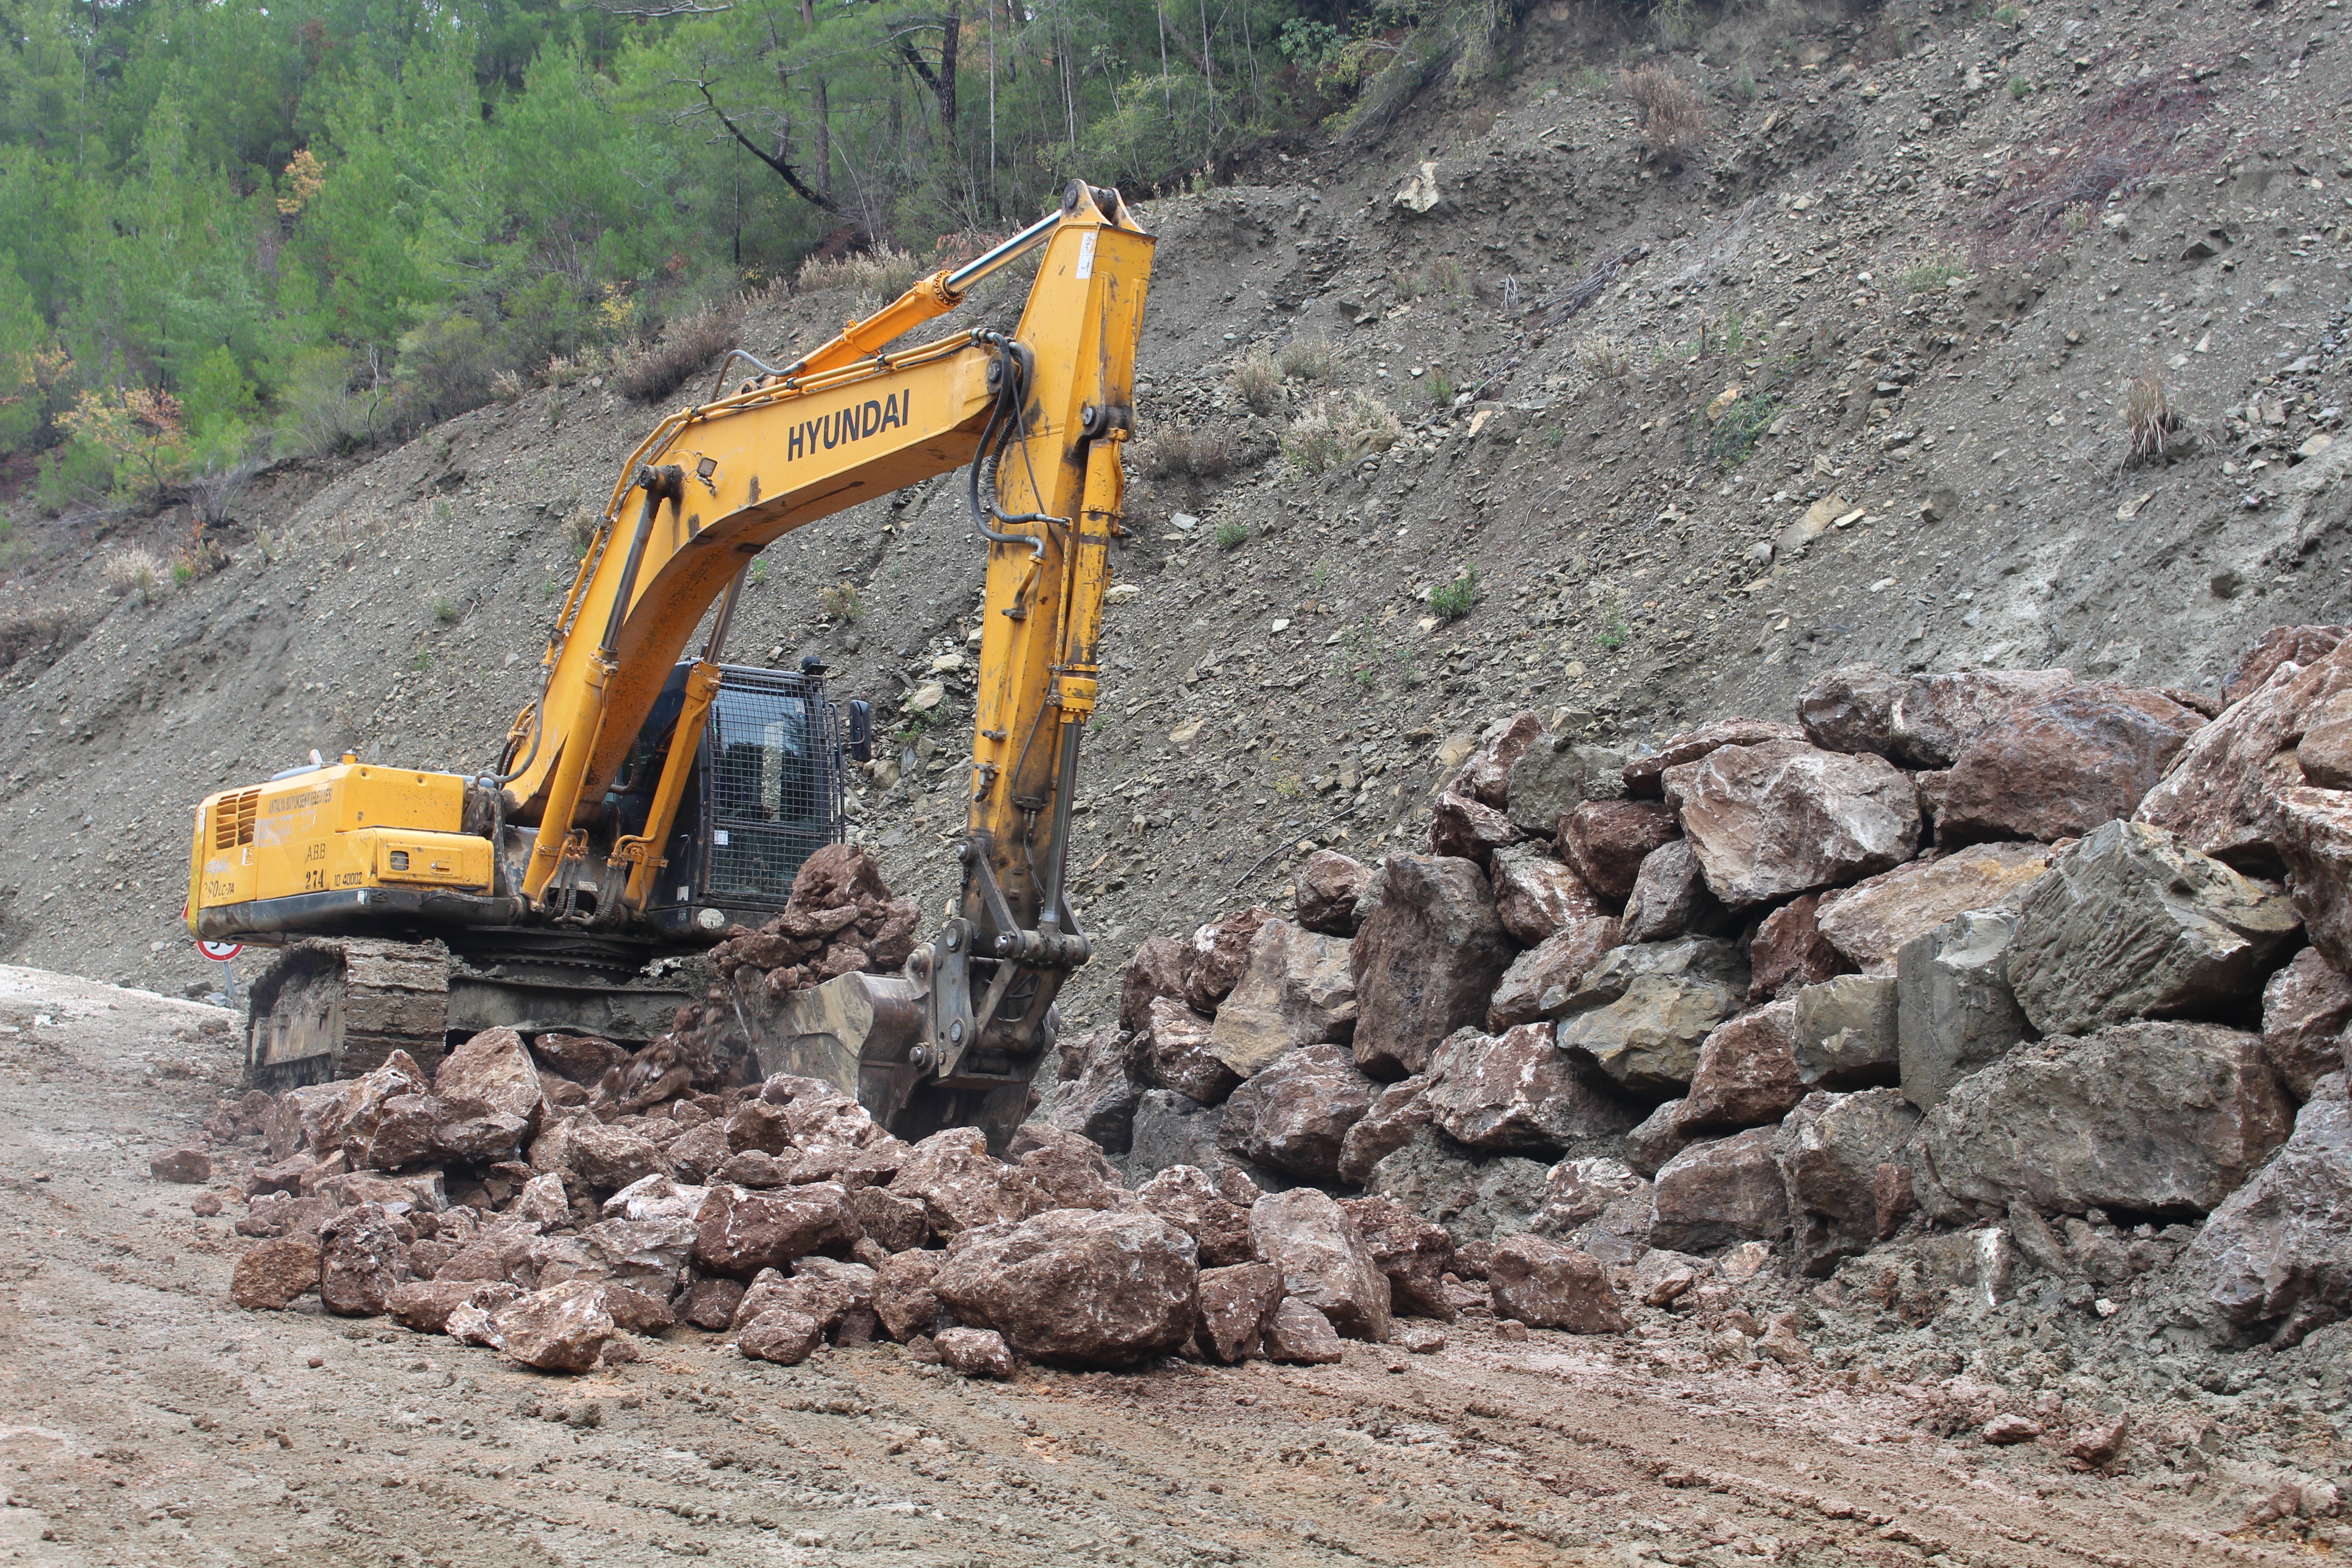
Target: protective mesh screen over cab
(772, 784)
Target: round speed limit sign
(220, 952)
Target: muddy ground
(146, 1420)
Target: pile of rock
(1992, 950)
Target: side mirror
(861, 730)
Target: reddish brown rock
(1670, 898)
(1179, 1055)
(605, 1158)
(1099, 1101)
(1298, 1333)
(1064, 1171)
(895, 1221)
(2218, 796)
(360, 1261)
(961, 1188)
(1163, 966)
(1540, 980)
(1459, 825)
(1328, 884)
(1791, 952)
(1645, 775)
(1323, 1260)
(1402, 1111)
(821, 1300)
(1293, 1115)
(974, 1353)
(351, 1113)
(1869, 922)
(1536, 895)
(1186, 1197)
(1485, 776)
(1917, 720)
(1425, 961)
(782, 1336)
(1515, 1091)
(2278, 646)
(1837, 1154)
(903, 1298)
(1220, 953)
(1085, 1287)
(425, 1305)
(188, 1165)
(2315, 835)
(1715, 1194)
(2083, 755)
(1298, 989)
(2305, 1008)
(1747, 1074)
(1545, 1285)
(1770, 821)
(492, 1069)
(695, 1154)
(274, 1275)
(710, 1303)
(1411, 1251)
(740, 1232)
(582, 1058)
(1605, 841)
(1236, 1304)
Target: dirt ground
(144, 1420)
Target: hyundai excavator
(648, 799)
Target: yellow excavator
(647, 800)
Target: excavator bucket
(856, 1031)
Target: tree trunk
(944, 88)
(823, 151)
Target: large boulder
(2315, 840)
(360, 1261)
(2159, 1119)
(1293, 1115)
(1869, 922)
(1411, 1251)
(1774, 820)
(1084, 1287)
(1064, 1171)
(493, 1069)
(1670, 898)
(1645, 774)
(959, 1185)
(1328, 885)
(1540, 980)
(1845, 1034)
(2276, 1255)
(1548, 1286)
(347, 1112)
(1298, 988)
(2278, 646)
(1163, 966)
(562, 1328)
(2057, 768)
(2306, 1008)
(1461, 826)
(1197, 1203)
(1641, 1012)
(1425, 961)
(1402, 1110)
(1236, 1304)
(903, 1301)
(1170, 1130)
(1954, 1011)
(1577, 1192)
(1486, 773)
(1100, 1103)
(2131, 924)
(1219, 954)
(2218, 795)
(1517, 1091)
(271, 1276)
(1715, 1194)
(1554, 776)
(1323, 1260)
(1605, 841)
(1790, 950)
(1746, 1071)
(1917, 720)
(1180, 1055)
(739, 1232)
(1830, 1150)
(1535, 895)
(1475, 1199)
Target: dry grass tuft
(686, 345)
(1341, 428)
(2156, 430)
(884, 273)
(1674, 116)
(2143, 130)
(1258, 381)
(133, 571)
(1604, 357)
(1313, 360)
(1186, 452)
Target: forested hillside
(238, 229)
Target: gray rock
(1552, 778)
(1170, 1130)
(1641, 1012)
(1425, 961)
(1402, 1110)
(2165, 1118)
(1716, 1193)
(2132, 924)
(2276, 1257)
(1323, 1262)
(1955, 1013)
(1517, 1091)
(1845, 1034)
(1294, 990)
(1442, 1181)
(1830, 1150)
(1577, 1192)
(1670, 897)
(1100, 1101)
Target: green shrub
(1458, 598)
(1231, 535)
